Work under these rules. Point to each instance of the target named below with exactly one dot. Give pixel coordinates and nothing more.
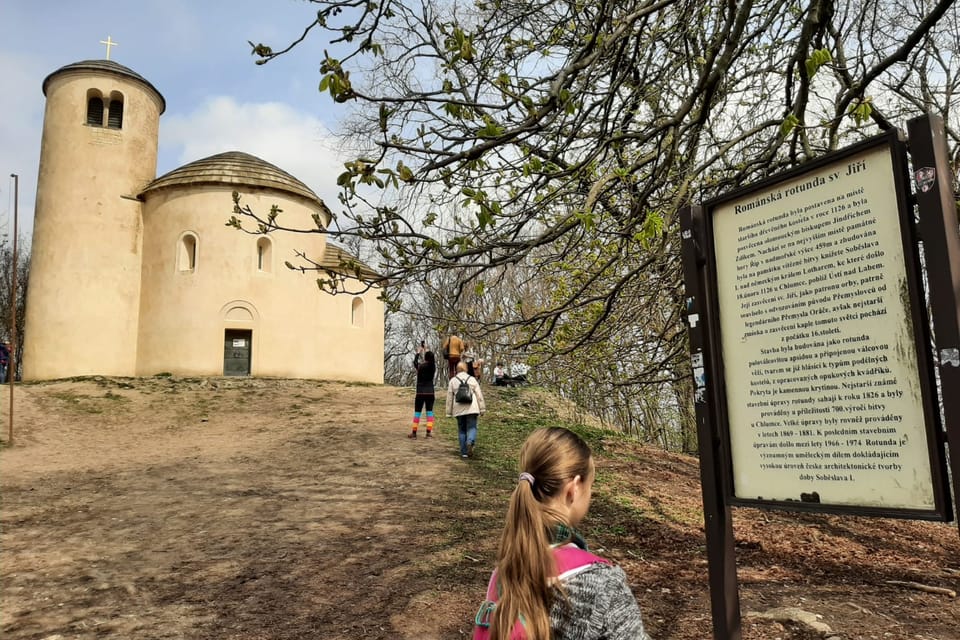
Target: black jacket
(426, 372)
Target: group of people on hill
(515, 375)
(455, 352)
(547, 585)
(465, 405)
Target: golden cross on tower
(109, 44)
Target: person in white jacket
(466, 413)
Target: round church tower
(98, 151)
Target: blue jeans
(467, 427)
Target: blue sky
(195, 53)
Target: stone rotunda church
(136, 275)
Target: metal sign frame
(936, 227)
(941, 509)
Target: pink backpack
(569, 558)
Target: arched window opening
(187, 254)
(115, 112)
(264, 255)
(356, 312)
(95, 111)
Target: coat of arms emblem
(925, 178)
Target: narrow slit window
(95, 111)
(264, 255)
(356, 312)
(187, 256)
(115, 114)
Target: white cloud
(294, 141)
(192, 52)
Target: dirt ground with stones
(248, 509)
(226, 509)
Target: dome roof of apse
(237, 169)
(105, 66)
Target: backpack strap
(481, 623)
(570, 560)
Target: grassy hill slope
(647, 516)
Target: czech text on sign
(818, 345)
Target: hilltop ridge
(241, 508)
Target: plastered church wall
(298, 331)
(108, 293)
(83, 300)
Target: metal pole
(13, 304)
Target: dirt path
(242, 509)
(127, 510)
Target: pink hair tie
(526, 476)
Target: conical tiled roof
(105, 66)
(338, 259)
(239, 169)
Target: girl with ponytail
(547, 586)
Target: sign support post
(717, 515)
(940, 234)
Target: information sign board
(826, 376)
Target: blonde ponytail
(525, 563)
